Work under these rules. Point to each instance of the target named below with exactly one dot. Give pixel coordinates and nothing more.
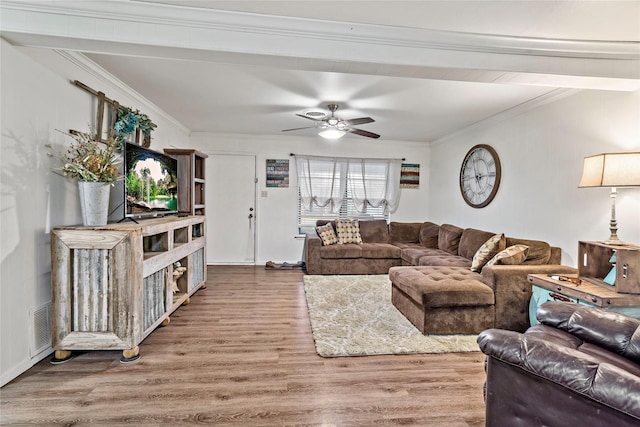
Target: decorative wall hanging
(278, 173)
(410, 175)
(124, 123)
(480, 176)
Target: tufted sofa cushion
(442, 286)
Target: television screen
(151, 182)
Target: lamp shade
(331, 133)
(611, 170)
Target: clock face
(480, 176)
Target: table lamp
(611, 170)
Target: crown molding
(82, 62)
(502, 116)
(62, 14)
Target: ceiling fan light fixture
(314, 114)
(332, 133)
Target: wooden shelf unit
(112, 285)
(594, 265)
(191, 180)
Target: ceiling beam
(163, 31)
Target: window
(307, 218)
(369, 179)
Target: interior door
(231, 198)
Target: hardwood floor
(242, 354)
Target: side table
(545, 288)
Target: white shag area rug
(354, 316)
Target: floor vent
(41, 319)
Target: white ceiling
(259, 92)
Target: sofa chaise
(437, 281)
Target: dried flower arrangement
(89, 160)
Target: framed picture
(278, 173)
(410, 175)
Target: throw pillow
(487, 251)
(348, 231)
(513, 255)
(327, 235)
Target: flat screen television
(151, 182)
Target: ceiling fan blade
(363, 133)
(307, 127)
(360, 121)
(310, 118)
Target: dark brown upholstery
(405, 232)
(448, 261)
(579, 367)
(429, 235)
(539, 252)
(413, 245)
(348, 250)
(413, 254)
(442, 300)
(449, 238)
(472, 239)
(374, 231)
(380, 250)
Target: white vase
(94, 202)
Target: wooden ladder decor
(107, 114)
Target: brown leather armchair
(579, 367)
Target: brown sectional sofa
(430, 269)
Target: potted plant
(95, 165)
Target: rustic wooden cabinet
(191, 182)
(594, 265)
(113, 285)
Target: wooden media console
(113, 285)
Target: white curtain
(375, 183)
(321, 181)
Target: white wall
(276, 220)
(541, 152)
(36, 100)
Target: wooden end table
(546, 288)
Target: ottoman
(443, 300)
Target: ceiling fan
(332, 127)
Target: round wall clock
(480, 176)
